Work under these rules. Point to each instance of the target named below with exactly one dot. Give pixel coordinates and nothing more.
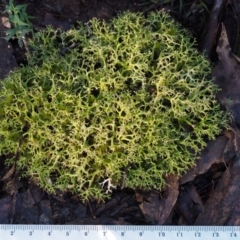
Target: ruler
(115, 232)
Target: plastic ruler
(112, 232)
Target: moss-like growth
(131, 99)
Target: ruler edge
(172, 228)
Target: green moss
(132, 97)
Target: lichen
(126, 102)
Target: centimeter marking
(117, 232)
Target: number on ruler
(179, 234)
(30, 233)
(161, 234)
(11, 233)
(216, 234)
(67, 234)
(233, 235)
(197, 234)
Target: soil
(194, 199)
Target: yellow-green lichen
(130, 98)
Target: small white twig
(88, 28)
(109, 185)
(25, 45)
